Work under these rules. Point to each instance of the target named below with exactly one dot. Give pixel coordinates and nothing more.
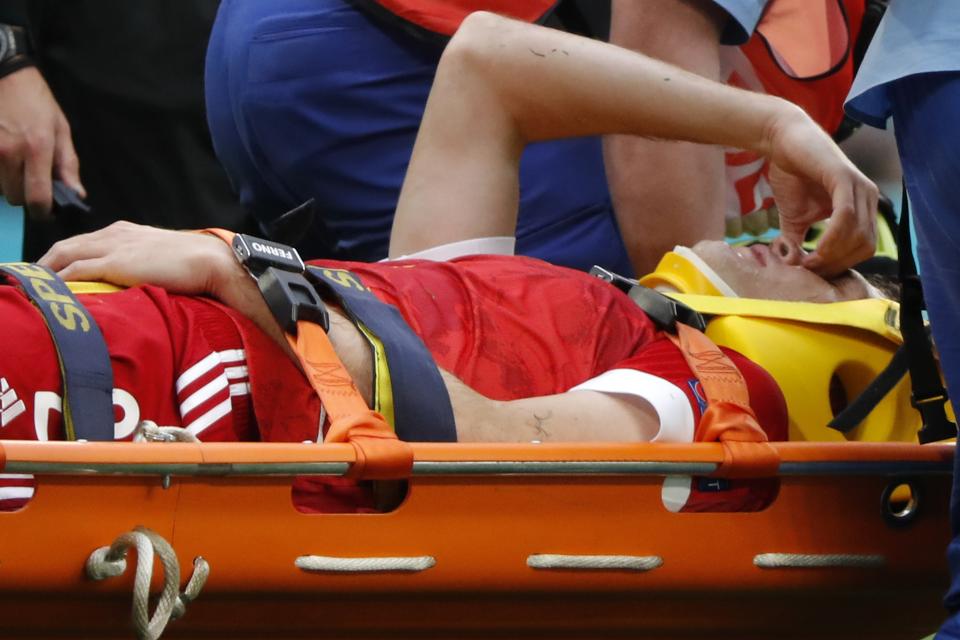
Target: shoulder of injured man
(822, 355)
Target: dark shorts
(312, 98)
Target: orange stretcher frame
(482, 513)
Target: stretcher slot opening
(326, 495)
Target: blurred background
(11, 232)
(874, 151)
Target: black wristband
(15, 49)
(16, 63)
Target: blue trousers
(925, 109)
(314, 99)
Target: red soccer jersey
(509, 327)
(176, 361)
(514, 327)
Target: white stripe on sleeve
(203, 394)
(209, 417)
(197, 370)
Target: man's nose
(787, 250)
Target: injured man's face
(774, 272)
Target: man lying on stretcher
(528, 351)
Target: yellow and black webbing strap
(81, 351)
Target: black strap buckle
(280, 276)
(257, 255)
(291, 298)
(617, 280)
(936, 425)
(664, 311)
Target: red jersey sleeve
(683, 493)
(662, 359)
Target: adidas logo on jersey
(10, 405)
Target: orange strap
(728, 418)
(380, 454)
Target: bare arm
(575, 416)
(502, 84)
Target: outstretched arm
(574, 416)
(502, 84)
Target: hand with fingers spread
(813, 180)
(35, 143)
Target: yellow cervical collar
(816, 352)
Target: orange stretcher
(531, 540)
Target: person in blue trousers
(320, 99)
(912, 73)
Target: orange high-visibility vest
(802, 50)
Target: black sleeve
(14, 12)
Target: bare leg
(666, 193)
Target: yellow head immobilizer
(821, 355)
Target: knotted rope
(108, 562)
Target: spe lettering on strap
(81, 350)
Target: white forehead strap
(706, 270)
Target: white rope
(353, 565)
(603, 563)
(826, 560)
(108, 562)
(148, 431)
(201, 571)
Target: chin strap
(380, 455)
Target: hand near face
(812, 180)
(128, 254)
